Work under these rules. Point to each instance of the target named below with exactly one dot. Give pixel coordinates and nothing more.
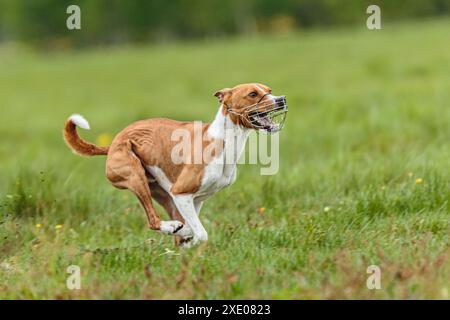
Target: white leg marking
(185, 232)
(185, 204)
(171, 226)
(198, 206)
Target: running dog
(141, 157)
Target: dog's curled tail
(74, 141)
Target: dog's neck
(232, 134)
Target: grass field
(364, 176)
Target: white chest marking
(221, 172)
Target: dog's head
(253, 106)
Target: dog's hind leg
(165, 200)
(125, 171)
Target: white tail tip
(80, 121)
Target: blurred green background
(42, 22)
(364, 158)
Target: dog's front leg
(198, 206)
(186, 207)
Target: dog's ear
(222, 93)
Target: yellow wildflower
(104, 139)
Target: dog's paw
(186, 242)
(191, 241)
(170, 227)
(200, 237)
(185, 232)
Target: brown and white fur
(139, 159)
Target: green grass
(369, 114)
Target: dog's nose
(280, 101)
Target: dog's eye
(253, 94)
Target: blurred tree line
(120, 21)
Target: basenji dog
(141, 156)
